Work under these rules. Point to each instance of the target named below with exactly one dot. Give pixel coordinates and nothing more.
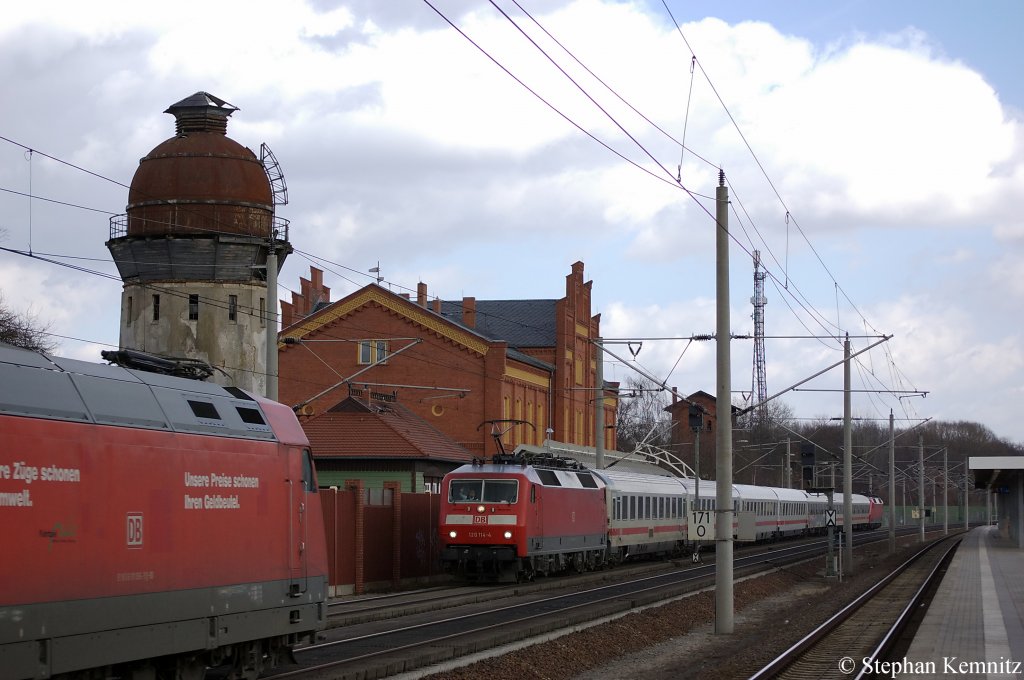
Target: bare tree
(24, 329)
(641, 415)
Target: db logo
(479, 519)
(134, 530)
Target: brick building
(454, 364)
(683, 436)
(380, 441)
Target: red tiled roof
(380, 430)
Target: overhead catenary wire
(786, 281)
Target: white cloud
(402, 143)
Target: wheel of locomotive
(248, 661)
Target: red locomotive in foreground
(153, 526)
(530, 513)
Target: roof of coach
(791, 494)
(751, 492)
(57, 388)
(837, 498)
(633, 482)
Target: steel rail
(781, 662)
(903, 620)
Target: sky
(873, 153)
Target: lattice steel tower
(759, 301)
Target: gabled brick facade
(455, 364)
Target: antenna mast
(759, 301)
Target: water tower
(193, 246)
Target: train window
(250, 416)
(204, 409)
(548, 478)
(308, 472)
(632, 507)
(464, 490)
(587, 480)
(501, 491)
(647, 507)
(661, 508)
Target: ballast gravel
(677, 640)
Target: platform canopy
(990, 471)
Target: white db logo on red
(134, 529)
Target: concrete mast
(723, 434)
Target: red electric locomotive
(152, 525)
(875, 512)
(531, 512)
(510, 521)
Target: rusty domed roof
(200, 181)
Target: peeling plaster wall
(237, 347)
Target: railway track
(511, 615)
(860, 635)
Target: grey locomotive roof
(58, 388)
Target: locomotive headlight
(508, 534)
(451, 534)
(480, 508)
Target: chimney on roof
(421, 294)
(469, 311)
(202, 112)
(404, 295)
(436, 306)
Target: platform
(974, 627)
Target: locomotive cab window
(465, 490)
(501, 491)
